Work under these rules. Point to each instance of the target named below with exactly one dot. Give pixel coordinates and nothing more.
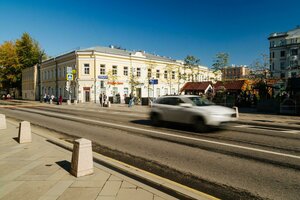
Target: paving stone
(110, 188)
(126, 184)
(29, 190)
(7, 187)
(88, 184)
(57, 189)
(80, 193)
(106, 198)
(133, 194)
(114, 178)
(58, 175)
(158, 198)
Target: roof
(295, 33)
(200, 86)
(230, 85)
(124, 52)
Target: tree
(221, 60)
(28, 51)
(191, 62)
(260, 67)
(10, 69)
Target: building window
(166, 74)
(166, 91)
(102, 69)
(282, 53)
(114, 70)
(86, 68)
(126, 91)
(157, 73)
(273, 66)
(125, 71)
(294, 52)
(273, 54)
(282, 65)
(173, 74)
(149, 73)
(282, 75)
(138, 72)
(101, 84)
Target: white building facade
(115, 73)
(285, 54)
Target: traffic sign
(153, 81)
(70, 77)
(102, 77)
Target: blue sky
(174, 28)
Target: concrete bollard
(108, 104)
(2, 121)
(82, 158)
(75, 102)
(24, 132)
(68, 102)
(236, 111)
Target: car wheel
(200, 126)
(155, 119)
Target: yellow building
(115, 73)
(29, 83)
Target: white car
(190, 109)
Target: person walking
(131, 101)
(104, 99)
(60, 100)
(101, 99)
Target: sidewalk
(40, 170)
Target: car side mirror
(186, 105)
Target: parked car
(190, 109)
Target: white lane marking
(291, 131)
(243, 126)
(169, 134)
(296, 132)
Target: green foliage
(10, 70)
(262, 88)
(191, 61)
(15, 56)
(28, 51)
(221, 60)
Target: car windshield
(198, 101)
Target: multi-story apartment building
(285, 54)
(235, 72)
(112, 71)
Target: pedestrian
(104, 99)
(45, 98)
(52, 99)
(131, 101)
(101, 99)
(60, 100)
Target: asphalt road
(237, 162)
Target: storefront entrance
(86, 92)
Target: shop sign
(102, 77)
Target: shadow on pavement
(66, 165)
